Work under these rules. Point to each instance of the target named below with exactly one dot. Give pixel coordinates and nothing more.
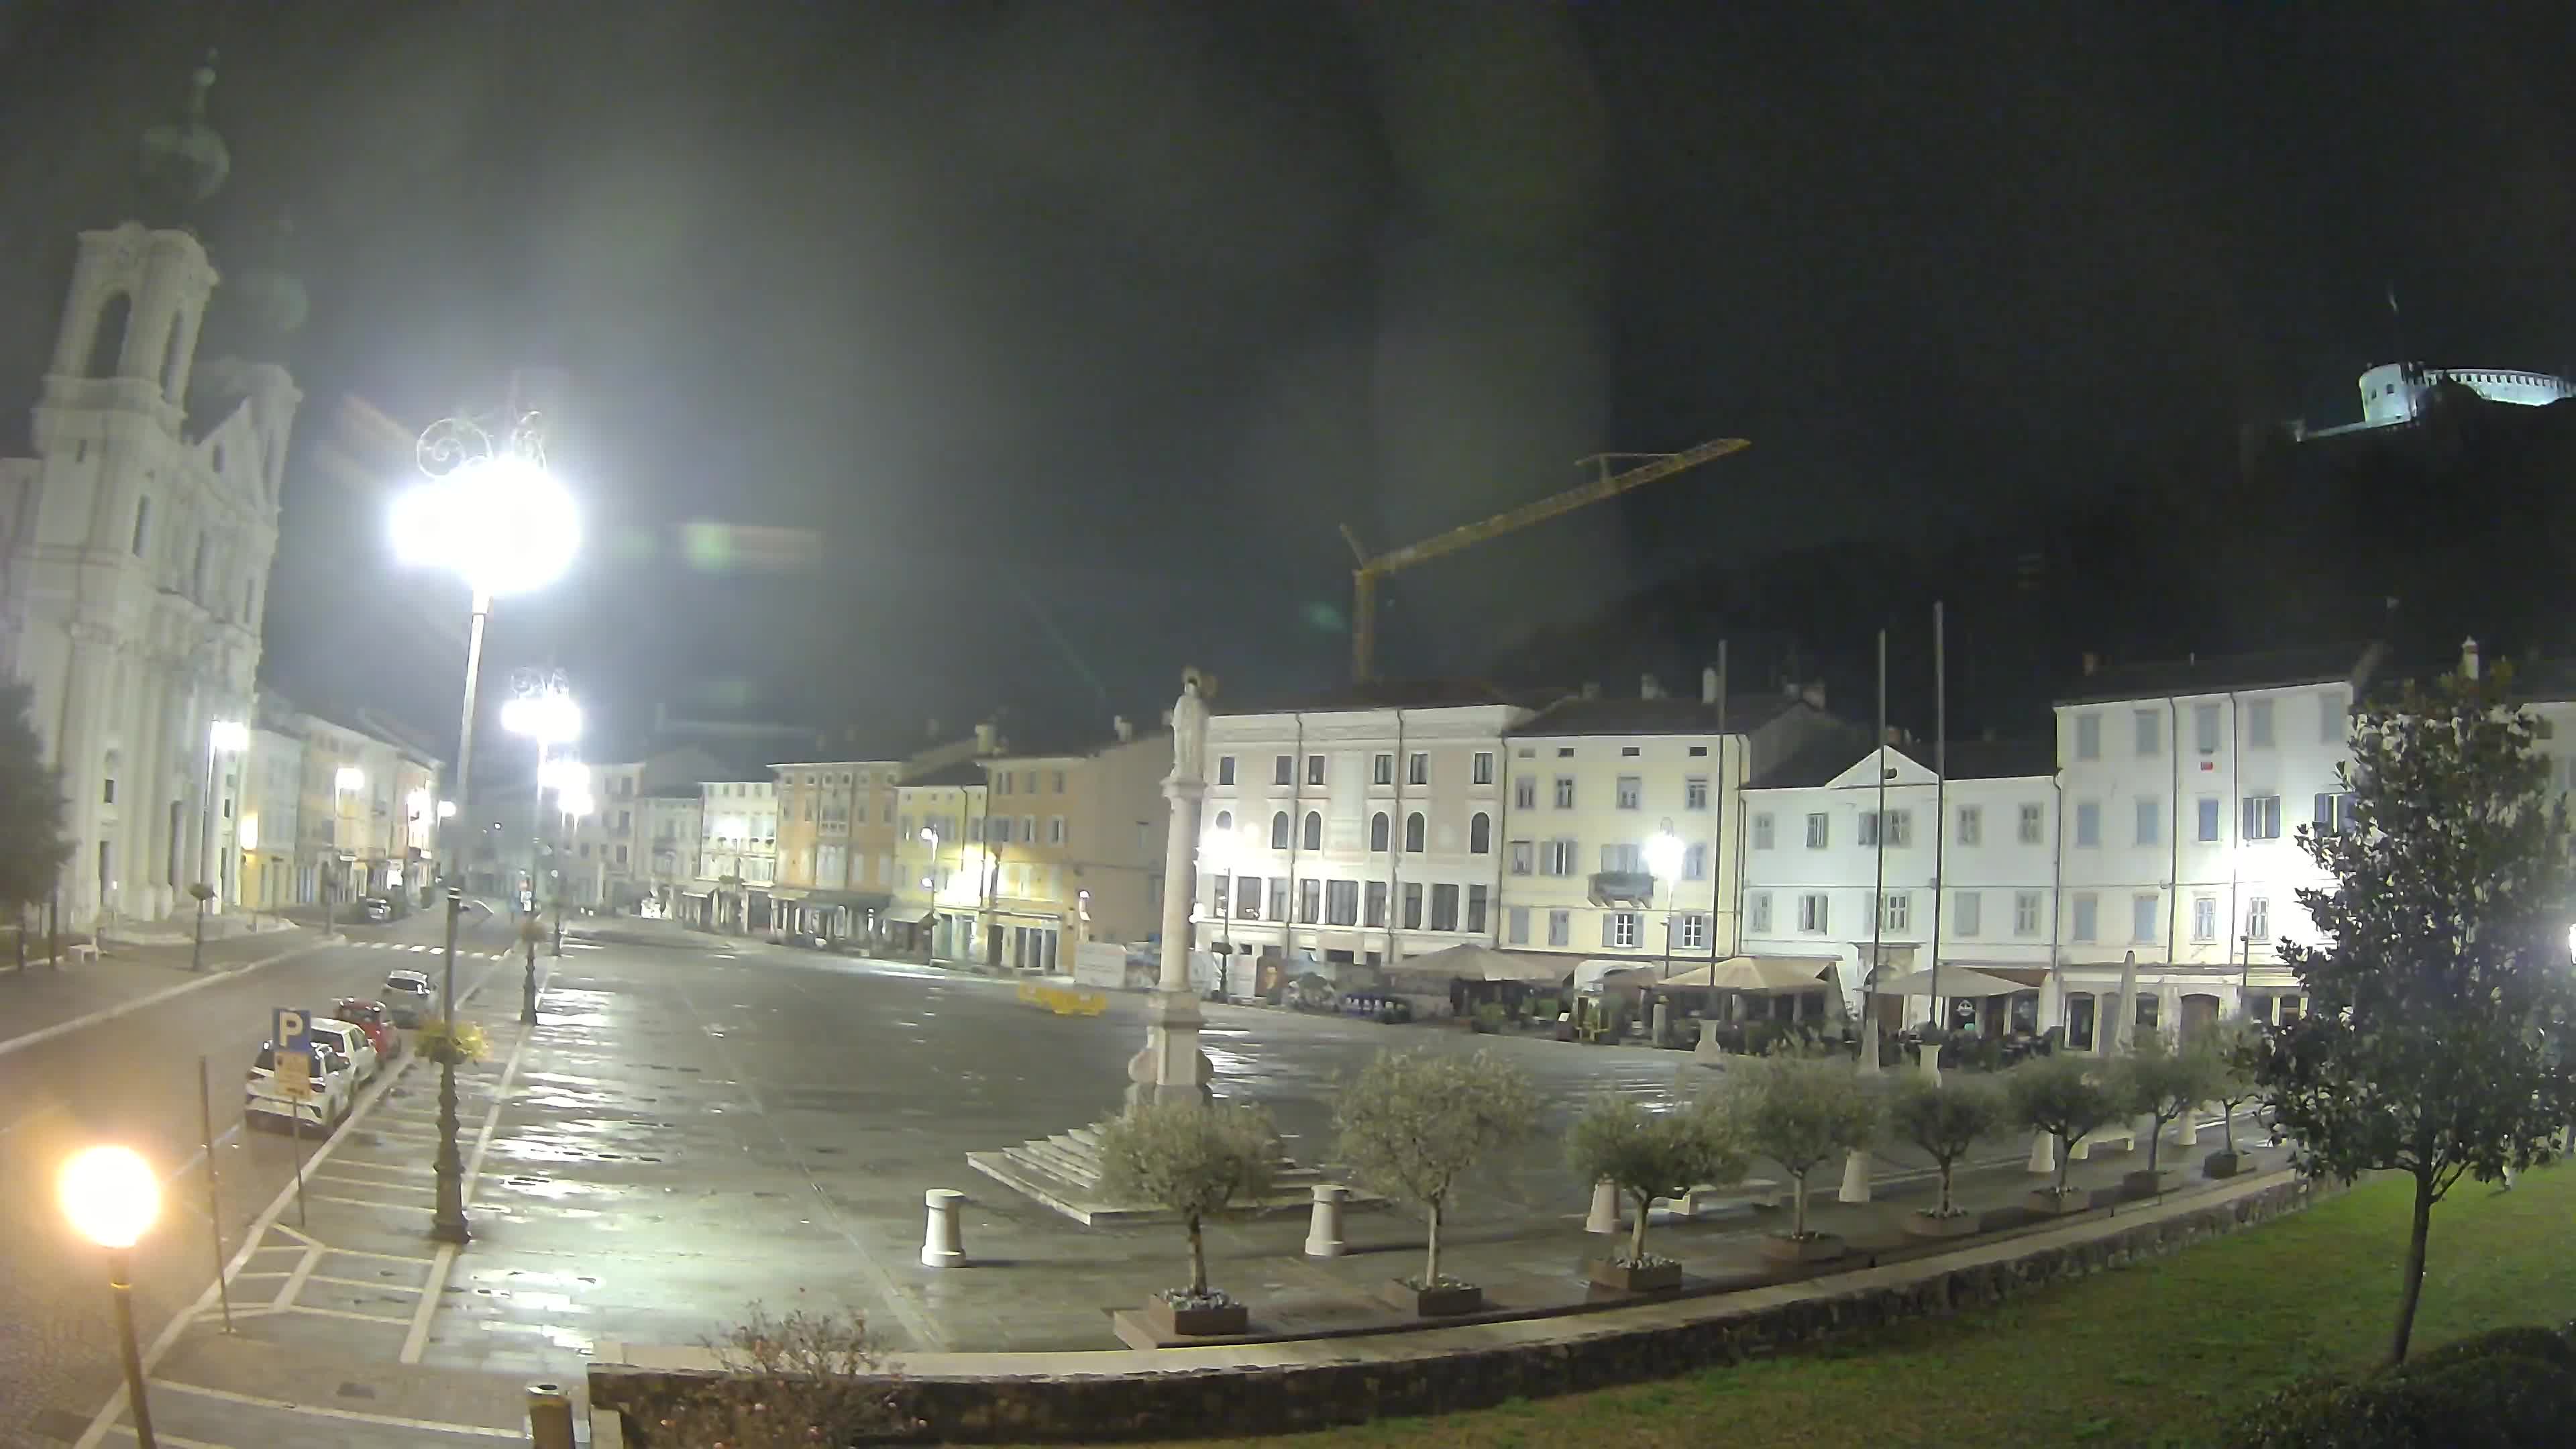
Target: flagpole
(1878, 896)
(1940, 798)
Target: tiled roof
(1825, 759)
(2216, 674)
(960, 772)
(1668, 716)
(1393, 694)
(1815, 763)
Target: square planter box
(2051, 1204)
(2149, 1184)
(1957, 1225)
(1652, 1278)
(1172, 1322)
(1433, 1302)
(2223, 1164)
(1813, 1248)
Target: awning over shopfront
(1955, 981)
(1598, 974)
(850, 900)
(1484, 963)
(1756, 973)
(909, 915)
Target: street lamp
(1216, 856)
(111, 1196)
(574, 800)
(1664, 862)
(490, 513)
(544, 711)
(223, 737)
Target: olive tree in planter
(1412, 1124)
(1946, 1118)
(2162, 1084)
(2229, 1047)
(1647, 1155)
(1802, 1111)
(1194, 1159)
(2064, 1097)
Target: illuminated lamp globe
(549, 719)
(577, 803)
(502, 524)
(1664, 855)
(110, 1195)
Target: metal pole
(206, 819)
(447, 1224)
(1878, 895)
(1940, 800)
(121, 1288)
(214, 1198)
(295, 1128)
(197, 946)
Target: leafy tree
(2426, 1047)
(32, 844)
(2064, 1097)
(1413, 1123)
(1946, 1119)
(1647, 1155)
(2233, 1046)
(1800, 1110)
(1190, 1157)
(2162, 1083)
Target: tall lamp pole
(488, 511)
(111, 1196)
(1664, 864)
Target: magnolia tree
(1413, 1123)
(2161, 1083)
(1194, 1159)
(2427, 1048)
(1946, 1119)
(1801, 1111)
(1647, 1155)
(2061, 1096)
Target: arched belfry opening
(107, 339)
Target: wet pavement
(698, 1123)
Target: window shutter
(1607, 934)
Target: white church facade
(138, 541)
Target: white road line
(149, 998)
(417, 1340)
(367, 1202)
(340, 1313)
(173, 1440)
(347, 1415)
(295, 1280)
(379, 1257)
(362, 1283)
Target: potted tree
(1945, 1119)
(1411, 1125)
(2062, 1097)
(1646, 1155)
(1800, 1111)
(1194, 1159)
(2231, 1085)
(2162, 1084)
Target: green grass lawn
(2153, 1355)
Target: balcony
(1623, 887)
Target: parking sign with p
(294, 1051)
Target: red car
(371, 1018)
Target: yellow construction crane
(1370, 569)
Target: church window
(107, 344)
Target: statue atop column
(1189, 729)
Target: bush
(805, 1378)
(1490, 1016)
(2501, 1390)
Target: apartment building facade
(737, 856)
(1623, 819)
(1075, 836)
(673, 829)
(836, 845)
(940, 820)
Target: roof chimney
(1708, 685)
(1649, 687)
(1125, 727)
(2469, 658)
(2092, 661)
(1592, 689)
(987, 739)
(1813, 694)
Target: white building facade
(1354, 834)
(1962, 870)
(737, 852)
(1594, 784)
(673, 830)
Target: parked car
(334, 1083)
(350, 1040)
(372, 1018)
(409, 998)
(376, 908)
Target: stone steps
(1063, 1172)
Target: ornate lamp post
(111, 1196)
(489, 512)
(544, 712)
(1664, 862)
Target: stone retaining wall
(1443, 1371)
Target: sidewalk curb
(155, 998)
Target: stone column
(1324, 1227)
(1171, 1067)
(941, 1244)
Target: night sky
(916, 358)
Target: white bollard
(1604, 1217)
(1855, 1177)
(1324, 1227)
(2186, 1128)
(1931, 1064)
(2043, 1153)
(941, 1246)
